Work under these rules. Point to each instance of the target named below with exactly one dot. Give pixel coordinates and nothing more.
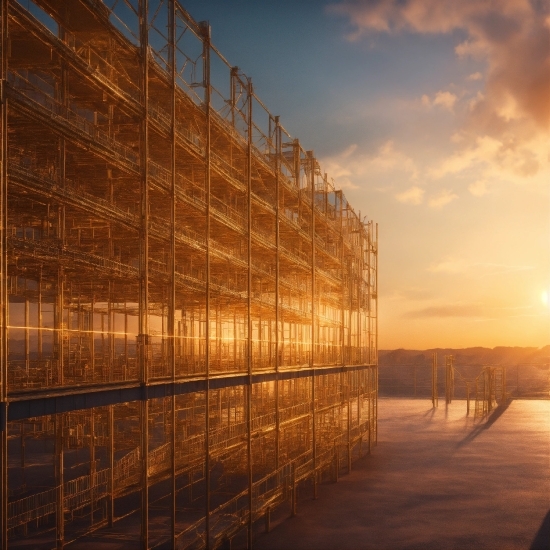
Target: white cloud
(446, 100)
(352, 167)
(413, 195)
(442, 99)
(506, 157)
(442, 199)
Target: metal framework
(179, 278)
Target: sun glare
(544, 297)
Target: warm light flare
(545, 297)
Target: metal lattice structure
(189, 305)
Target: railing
(522, 380)
(28, 92)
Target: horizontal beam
(27, 406)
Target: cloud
(452, 310)
(352, 165)
(449, 265)
(475, 311)
(443, 198)
(413, 195)
(507, 156)
(511, 37)
(478, 188)
(453, 265)
(442, 99)
(445, 99)
(411, 294)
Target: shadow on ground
(542, 538)
(499, 411)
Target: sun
(545, 298)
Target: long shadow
(486, 425)
(542, 538)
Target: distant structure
(188, 305)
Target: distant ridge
(501, 355)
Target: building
(188, 326)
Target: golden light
(545, 298)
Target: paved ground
(436, 480)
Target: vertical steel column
(172, 305)
(111, 497)
(313, 313)
(144, 189)
(4, 273)
(249, 306)
(205, 35)
(92, 467)
(347, 376)
(58, 326)
(110, 335)
(91, 329)
(62, 161)
(59, 482)
(144, 446)
(376, 329)
(434, 381)
(278, 153)
(369, 291)
(144, 268)
(360, 290)
(342, 286)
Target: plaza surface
(436, 480)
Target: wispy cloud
(449, 265)
(478, 188)
(453, 264)
(412, 294)
(444, 99)
(354, 165)
(451, 310)
(413, 195)
(442, 198)
(474, 311)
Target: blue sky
(432, 116)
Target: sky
(433, 116)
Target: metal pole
(59, 478)
(278, 330)
(111, 508)
(144, 225)
(205, 35)
(376, 351)
(4, 273)
(313, 313)
(249, 308)
(348, 375)
(172, 304)
(144, 267)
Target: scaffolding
(189, 304)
